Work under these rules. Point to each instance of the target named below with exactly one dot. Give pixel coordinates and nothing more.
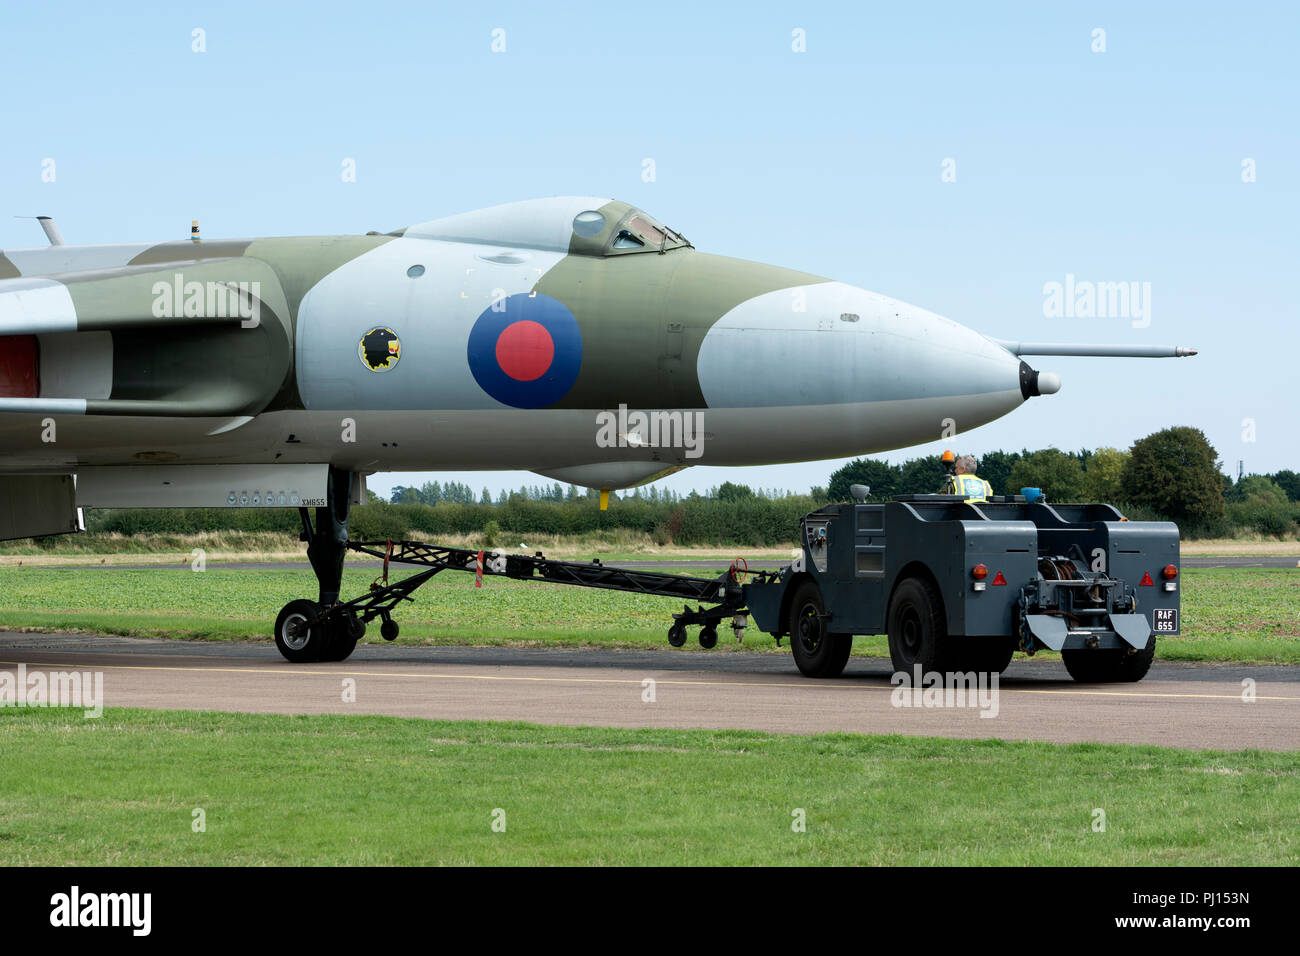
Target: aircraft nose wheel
(305, 633)
(299, 635)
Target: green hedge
(748, 522)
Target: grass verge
(122, 790)
(1229, 614)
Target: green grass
(1229, 614)
(121, 790)
(1238, 614)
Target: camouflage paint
(187, 365)
(644, 316)
(187, 250)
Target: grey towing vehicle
(961, 586)
(958, 586)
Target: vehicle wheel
(677, 635)
(388, 630)
(298, 641)
(918, 631)
(984, 655)
(817, 652)
(708, 637)
(1111, 666)
(342, 640)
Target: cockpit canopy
(578, 225)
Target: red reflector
(1146, 581)
(1170, 572)
(999, 579)
(979, 572)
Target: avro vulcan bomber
(575, 337)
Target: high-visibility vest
(975, 489)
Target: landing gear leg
(332, 637)
(327, 545)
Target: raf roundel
(526, 350)
(379, 349)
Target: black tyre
(985, 655)
(917, 628)
(299, 641)
(817, 651)
(342, 640)
(1111, 666)
(708, 637)
(677, 635)
(388, 630)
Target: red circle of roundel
(525, 350)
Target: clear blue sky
(1116, 166)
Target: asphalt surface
(1178, 705)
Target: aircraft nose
(1033, 382)
(833, 344)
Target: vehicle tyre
(1111, 666)
(708, 637)
(677, 635)
(297, 640)
(388, 630)
(817, 651)
(917, 628)
(984, 655)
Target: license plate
(1166, 620)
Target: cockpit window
(589, 223)
(639, 233)
(648, 233)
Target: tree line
(1172, 474)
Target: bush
(1059, 475)
(377, 522)
(1270, 518)
(1176, 472)
(1102, 474)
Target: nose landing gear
(321, 630)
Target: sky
(957, 156)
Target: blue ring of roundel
(556, 381)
